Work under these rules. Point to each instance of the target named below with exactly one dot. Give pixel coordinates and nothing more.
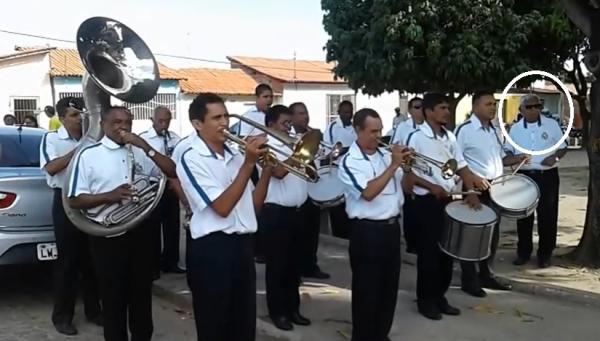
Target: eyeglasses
(534, 106)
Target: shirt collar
(110, 144)
(539, 121)
(339, 122)
(152, 133)
(477, 124)
(204, 149)
(63, 134)
(356, 153)
(426, 129)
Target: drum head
(460, 211)
(514, 192)
(329, 187)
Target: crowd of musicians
(244, 210)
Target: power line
(174, 56)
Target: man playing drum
(483, 151)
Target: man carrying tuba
(103, 174)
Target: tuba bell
(117, 63)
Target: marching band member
(537, 132)
(215, 179)
(340, 130)
(264, 100)
(434, 267)
(282, 223)
(56, 151)
(310, 213)
(484, 153)
(166, 215)
(374, 196)
(121, 262)
(399, 135)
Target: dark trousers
(434, 267)
(222, 278)
(125, 276)
(409, 224)
(165, 218)
(282, 244)
(470, 277)
(310, 215)
(339, 221)
(375, 262)
(547, 216)
(73, 261)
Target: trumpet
(304, 150)
(424, 163)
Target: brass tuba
(118, 63)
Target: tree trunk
(453, 104)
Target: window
(23, 107)
(332, 105)
(20, 149)
(144, 111)
(70, 94)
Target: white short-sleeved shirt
(291, 191)
(56, 144)
(255, 115)
(536, 136)
(204, 176)
(336, 132)
(102, 167)
(162, 144)
(356, 170)
(482, 148)
(181, 147)
(402, 130)
(440, 148)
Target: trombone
(424, 163)
(304, 150)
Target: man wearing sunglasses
(537, 132)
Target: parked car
(26, 229)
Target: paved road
(26, 305)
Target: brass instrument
(118, 63)
(304, 150)
(424, 163)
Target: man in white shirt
(166, 215)
(483, 151)
(216, 181)
(282, 223)
(373, 192)
(341, 130)
(311, 214)
(537, 132)
(434, 267)
(399, 135)
(56, 151)
(123, 263)
(264, 100)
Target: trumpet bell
(307, 147)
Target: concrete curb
(522, 286)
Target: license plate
(47, 251)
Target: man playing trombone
(215, 179)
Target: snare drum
(467, 233)
(515, 196)
(329, 190)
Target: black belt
(388, 221)
(537, 171)
(282, 207)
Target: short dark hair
(113, 108)
(481, 93)
(274, 112)
(413, 100)
(198, 107)
(361, 116)
(344, 103)
(296, 104)
(430, 100)
(69, 102)
(32, 118)
(161, 108)
(49, 110)
(262, 88)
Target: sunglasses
(534, 106)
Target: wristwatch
(151, 153)
(557, 159)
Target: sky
(197, 28)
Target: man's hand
(525, 157)
(255, 149)
(134, 140)
(439, 192)
(473, 201)
(123, 192)
(549, 161)
(399, 155)
(475, 182)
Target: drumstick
(519, 166)
(464, 193)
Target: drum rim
(528, 179)
(463, 258)
(494, 221)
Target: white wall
(315, 98)
(25, 77)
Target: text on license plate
(47, 251)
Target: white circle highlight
(501, 119)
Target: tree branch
(578, 12)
